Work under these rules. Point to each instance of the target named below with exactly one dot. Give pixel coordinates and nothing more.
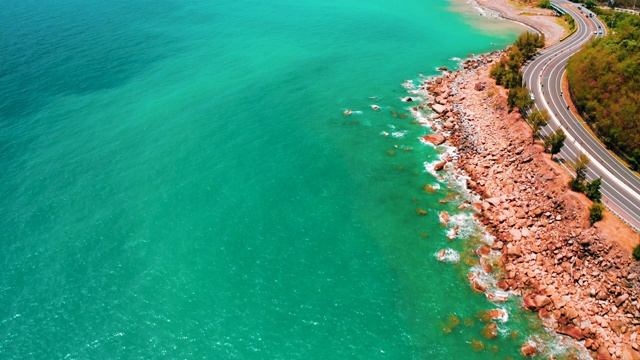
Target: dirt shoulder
(578, 279)
(543, 20)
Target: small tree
(595, 213)
(538, 119)
(636, 252)
(519, 97)
(580, 165)
(590, 4)
(592, 190)
(554, 142)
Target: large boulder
(478, 286)
(541, 301)
(622, 298)
(530, 303)
(438, 108)
(439, 166)
(435, 139)
(515, 234)
(528, 350)
(571, 330)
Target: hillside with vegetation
(604, 81)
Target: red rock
(571, 330)
(588, 343)
(544, 314)
(439, 166)
(438, 108)
(490, 315)
(503, 285)
(622, 298)
(444, 218)
(478, 286)
(483, 250)
(529, 302)
(528, 350)
(629, 353)
(435, 139)
(603, 354)
(541, 301)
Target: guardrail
(558, 9)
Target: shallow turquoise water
(179, 181)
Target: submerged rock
(490, 331)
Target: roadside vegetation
(538, 119)
(567, 22)
(595, 212)
(507, 73)
(545, 4)
(591, 4)
(554, 142)
(604, 82)
(590, 188)
(636, 252)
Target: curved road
(543, 75)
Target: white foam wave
(465, 222)
(399, 134)
(561, 345)
(429, 167)
(408, 84)
(477, 272)
(448, 255)
(498, 295)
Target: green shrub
(545, 4)
(595, 213)
(592, 190)
(519, 97)
(576, 185)
(554, 142)
(636, 252)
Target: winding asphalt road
(543, 76)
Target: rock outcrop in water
(583, 284)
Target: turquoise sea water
(179, 181)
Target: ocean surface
(179, 181)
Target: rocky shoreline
(582, 284)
